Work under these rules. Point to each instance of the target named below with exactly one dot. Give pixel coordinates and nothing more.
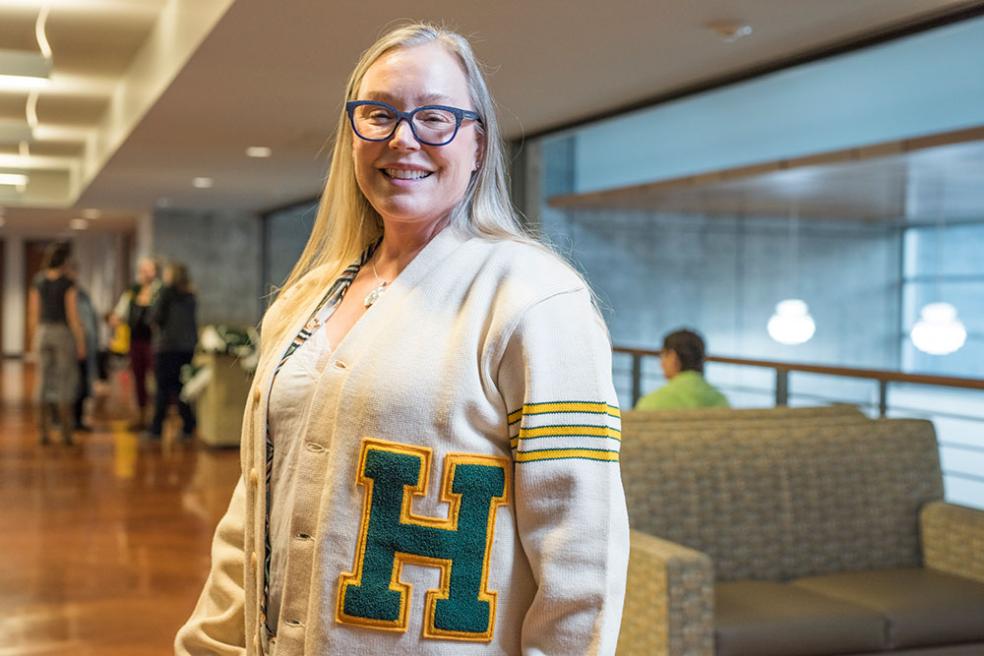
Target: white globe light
(792, 323)
(938, 331)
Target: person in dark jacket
(89, 319)
(176, 334)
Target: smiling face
(146, 271)
(404, 180)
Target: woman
(430, 449)
(173, 315)
(133, 309)
(53, 312)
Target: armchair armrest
(953, 539)
(669, 600)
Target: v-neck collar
(436, 251)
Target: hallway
(104, 545)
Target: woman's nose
(403, 138)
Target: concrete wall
(287, 232)
(654, 272)
(222, 252)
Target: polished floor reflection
(104, 545)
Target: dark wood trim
(848, 372)
(965, 11)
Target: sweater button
(252, 559)
(338, 364)
(254, 477)
(256, 395)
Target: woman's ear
(479, 152)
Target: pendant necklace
(377, 291)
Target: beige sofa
(795, 532)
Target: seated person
(682, 359)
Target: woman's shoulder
(528, 271)
(532, 260)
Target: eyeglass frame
(459, 116)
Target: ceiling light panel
(33, 66)
(14, 132)
(13, 179)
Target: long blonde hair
(346, 224)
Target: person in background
(88, 364)
(175, 337)
(133, 309)
(682, 359)
(54, 319)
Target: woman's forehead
(425, 74)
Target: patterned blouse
(281, 392)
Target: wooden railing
(783, 369)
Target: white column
(14, 302)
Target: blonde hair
(346, 224)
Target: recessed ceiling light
(24, 69)
(729, 31)
(13, 179)
(259, 151)
(202, 183)
(78, 224)
(91, 214)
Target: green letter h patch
(390, 535)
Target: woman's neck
(401, 243)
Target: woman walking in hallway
(53, 312)
(133, 309)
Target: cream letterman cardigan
(460, 490)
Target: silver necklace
(377, 291)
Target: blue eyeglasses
(434, 125)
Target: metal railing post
(882, 398)
(636, 378)
(782, 386)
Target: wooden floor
(103, 546)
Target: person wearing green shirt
(682, 359)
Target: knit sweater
(460, 491)
(688, 389)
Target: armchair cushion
(761, 618)
(668, 600)
(922, 607)
(953, 539)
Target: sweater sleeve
(555, 377)
(217, 626)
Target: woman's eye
(380, 115)
(435, 117)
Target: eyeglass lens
(430, 125)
